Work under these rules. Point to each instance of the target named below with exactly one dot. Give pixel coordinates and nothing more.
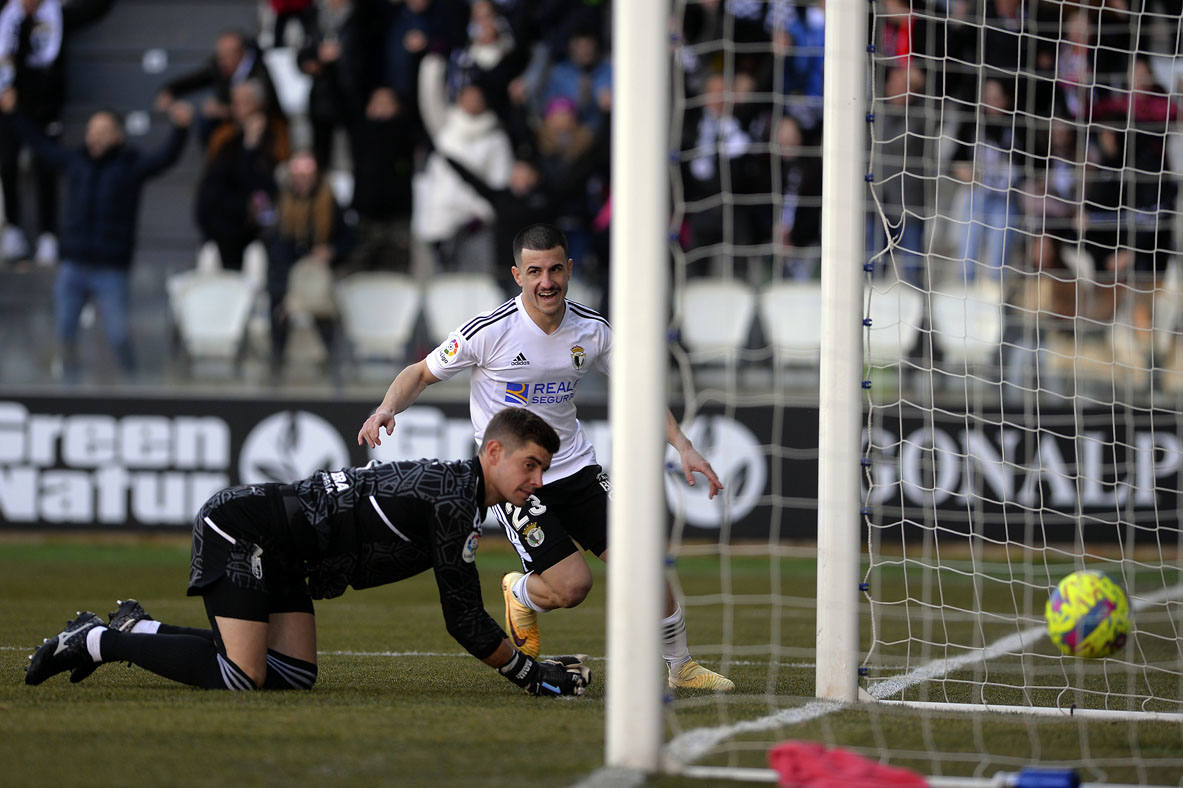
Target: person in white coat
(447, 213)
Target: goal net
(1019, 305)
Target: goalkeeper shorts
(231, 569)
(560, 514)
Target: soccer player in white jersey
(533, 351)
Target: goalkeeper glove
(565, 675)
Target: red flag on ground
(806, 764)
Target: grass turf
(398, 701)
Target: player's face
(543, 276)
(516, 474)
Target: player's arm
(565, 675)
(402, 393)
(692, 461)
(471, 625)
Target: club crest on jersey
(533, 535)
(470, 547)
(578, 357)
(517, 393)
(449, 350)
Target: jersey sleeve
(452, 355)
(454, 559)
(603, 360)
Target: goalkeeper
(262, 553)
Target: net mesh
(1023, 379)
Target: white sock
(522, 595)
(674, 650)
(92, 643)
(146, 626)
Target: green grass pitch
(398, 702)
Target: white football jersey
(516, 363)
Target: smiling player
(533, 351)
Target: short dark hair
(539, 238)
(513, 427)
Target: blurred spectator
(1051, 207)
(490, 58)
(897, 25)
(901, 129)
(1074, 66)
(568, 152)
(721, 161)
(383, 145)
(236, 59)
(308, 239)
(288, 11)
(414, 28)
(342, 58)
(989, 159)
(104, 181)
(1145, 102)
(798, 36)
(798, 225)
(30, 44)
(446, 213)
(1129, 206)
(584, 78)
(234, 195)
(526, 199)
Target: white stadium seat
(791, 317)
(967, 323)
(211, 311)
(716, 318)
(896, 311)
(450, 300)
(378, 313)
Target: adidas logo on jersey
(520, 361)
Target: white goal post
(996, 371)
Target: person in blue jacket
(105, 177)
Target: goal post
(983, 197)
(840, 391)
(639, 293)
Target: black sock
(284, 672)
(189, 659)
(169, 629)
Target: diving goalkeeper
(262, 553)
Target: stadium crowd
(460, 121)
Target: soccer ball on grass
(1088, 615)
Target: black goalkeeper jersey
(384, 522)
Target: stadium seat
(211, 311)
(378, 313)
(717, 317)
(791, 317)
(450, 300)
(967, 323)
(896, 312)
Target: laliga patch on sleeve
(470, 546)
(449, 349)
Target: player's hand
(692, 461)
(8, 100)
(565, 675)
(371, 432)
